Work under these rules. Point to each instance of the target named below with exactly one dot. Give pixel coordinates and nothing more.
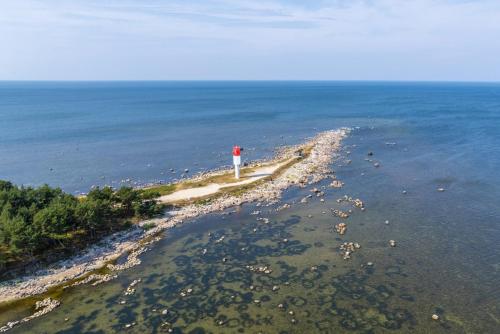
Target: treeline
(37, 223)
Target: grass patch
(163, 189)
(226, 177)
(148, 226)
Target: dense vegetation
(45, 222)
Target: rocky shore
(315, 166)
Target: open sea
(425, 136)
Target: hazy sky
(250, 39)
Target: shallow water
(446, 260)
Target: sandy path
(210, 189)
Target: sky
(443, 40)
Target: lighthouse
(236, 161)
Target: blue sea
(425, 136)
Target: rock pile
(336, 184)
(340, 213)
(341, 228)
(347, 248)
(41, 307)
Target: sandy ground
(213, 188)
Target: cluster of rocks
(132, 260)
(263, 220)
(318, 192)
(347, 248)
(94, 278)
(340, 213)
(41, 307)
(356, 202)
(221, 239)
(186, 292)
(260, 269)
(130, 324)
(130, 288)
(341, 228)
(336, 184)
(283, 207)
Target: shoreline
(80, 269)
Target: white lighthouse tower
(236, 161)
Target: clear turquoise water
(448, 256)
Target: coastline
(80, 269)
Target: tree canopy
(35, 222)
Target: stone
(336, 184)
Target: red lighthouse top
(236, 151)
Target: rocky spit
(324, 149)
(41, 307)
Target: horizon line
(247, 80)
